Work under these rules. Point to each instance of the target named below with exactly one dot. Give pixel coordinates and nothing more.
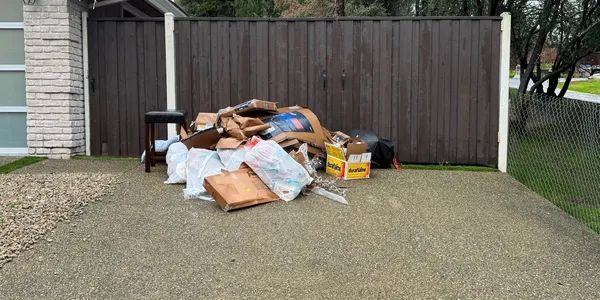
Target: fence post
(503, 97)
(86, 82)
(170, 68)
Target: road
(514, 83)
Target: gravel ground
(405, 235)
(31, 205)
(7, 159)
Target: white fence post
(170, 68)
(86, 83)
(504, 98)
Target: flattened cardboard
(205, 120)
(295, 123)
(234, 190)
(249, 106)
(228, 143)
(202, 139)
(288, 143)
(182, 133)
(242, 127)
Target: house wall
(54, 77)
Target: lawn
(20, 163)
(559, 157)
(590, 86)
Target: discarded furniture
(153, 117)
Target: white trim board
(166, 7)
(13, 109)
(20, 151)
(11, 25)
(86, 81)
(12, 67)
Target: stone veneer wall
(54, 77)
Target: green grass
(84, 157)
(590, 86)
(558, 159)
(20, 163)
(449, 168)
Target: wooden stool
(153, 117)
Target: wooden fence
(428, 84)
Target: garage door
(13, 116)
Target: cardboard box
(202, 139)
(244, 108)
(295, 123)
(242, 127)
(350, 163)
(234, 190)
(340, 138)
(205, 120)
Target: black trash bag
(382, 150)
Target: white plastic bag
(176, 158)
(200, 164)
(232, 158)
(277, 169)
(161, 146)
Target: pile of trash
(256, 153)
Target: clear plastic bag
(277, 169)
(176, 158)
(232, 158)
(200, 164)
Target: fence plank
(95, 121)
(474, 74)
(464, 66)
(424, 89)
(435, 101)
(404, 111)
(483, 91)
(492, 156)
(430, 84)
(131, 93)
(141, 83)
(262, 60)
(366, 74)
(385, 80)
(444, 93)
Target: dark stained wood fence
(428, 84)
(127, 78)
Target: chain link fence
(554, 149)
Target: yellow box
(341, 168)
(335, 151)
(357, 170)
(335, 167)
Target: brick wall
(54, 77)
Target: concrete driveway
(413, 234)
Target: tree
(229, 8)
(576, 35)
(208, 8)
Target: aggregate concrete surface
(8, 159)
(408, 234)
